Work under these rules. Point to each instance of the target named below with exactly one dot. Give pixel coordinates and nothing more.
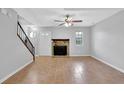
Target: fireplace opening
(60, 47)
(60, 50)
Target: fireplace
(60, 47)
(60, 50)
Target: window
(79, 38)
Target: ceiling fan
(68, 21)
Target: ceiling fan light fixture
(66, 24)
(69, 24)
(68, 21)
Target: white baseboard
(5, 78)
(65, 56)
(119, 69)
(78, 55)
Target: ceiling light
(69, 24)
(69, 19)
(66, 24)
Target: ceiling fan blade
(61, 24)
(77, 21)
(58, 21)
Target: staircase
(26, 41)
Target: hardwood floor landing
(67, 70)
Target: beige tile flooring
(67, 70)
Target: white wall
(65, 33)
(44, 46)
(108, 40)
(13, 54)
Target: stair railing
(26, 41)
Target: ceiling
(46, 16)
